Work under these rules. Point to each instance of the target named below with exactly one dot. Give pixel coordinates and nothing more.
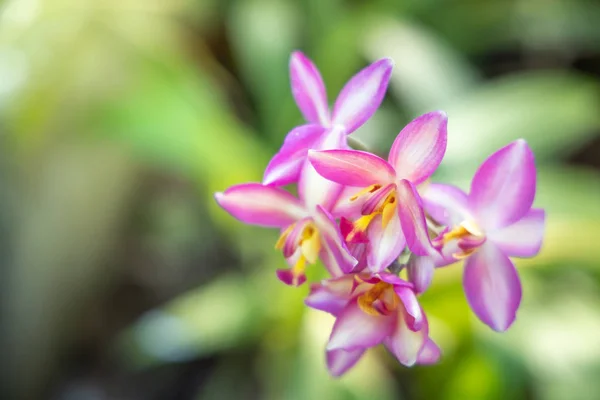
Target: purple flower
(356, 103)
(494, 222)
(308, 233)
(385, 193)
(370, 310)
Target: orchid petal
(308, 89)
(354, 329)
(413, 220)
(524, 237)
(447, 204)
(331, 295)
(492, 287)
(430, 353)
(314, 189)
(420, 272)
(253, 203)
(290, 278)
(385, 244)
(414, 315)
(339, 361)
(334, 253)
(284, 168)
(503, 188)
(352, 167)
(405, 343)
(348, 206)
(362, 95)
(420, 146)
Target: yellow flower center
(386, 208)
(308, 241)
(381, 299)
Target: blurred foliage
(119, 120)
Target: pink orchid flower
(391, 209)
(308, 233)
(356, 103)
(370, 310)
(494, 222)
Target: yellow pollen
(389, 209)
(370, 189)
(382, 291)
(456, 233)
(298, 269)
(310, 243)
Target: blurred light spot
(21, 12)
(163, 336)
(14, 70)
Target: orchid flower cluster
(367, 220)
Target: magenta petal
(420, 272)
(446, 204)
(430, 353)
(284, 167)
(352, 167)
(362, 95)
(419, 147)
(345, 207)
(405, 343)
(314, 189)
(355, 329)
(503, 187)
(256, 204)
(308, 89)
(290, 245)
(492, 287)
(414, 315)
(385, 245)
(339, 361)
(413, 220)
(331, 295)
(288, 277)
(334, 253)
(524, 237)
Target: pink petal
(355, 329)
(430, 353)
(334, 253)
(344, 207)
(413, 220)
(414, 315)
(290, 245)
(308, 89)
(492, 287)
(284, 167)
(447, 204)
(420, 147)
(405, 343)
(362, 95)
(288, 277)
(385, 245)
(352, 167)
(339, 361)
(332, 295)
(420, 272)
(314, 189)
(256, 204)
(524, 237)
(503, 187)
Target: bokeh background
(121, 279)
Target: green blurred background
(121, 279)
